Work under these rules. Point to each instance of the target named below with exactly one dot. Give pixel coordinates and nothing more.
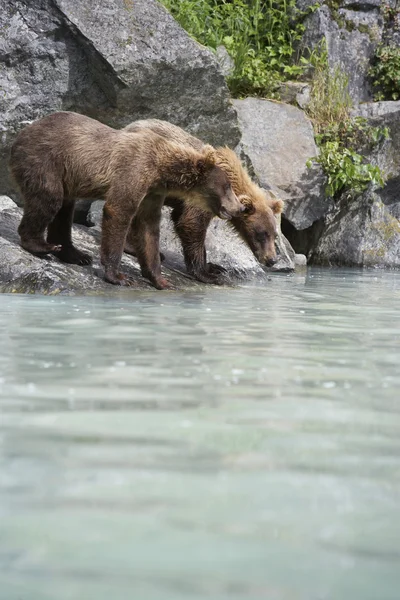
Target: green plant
(330, 101)
(346, 169)
(260, 35)
(340, 137)
(385, 72)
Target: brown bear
(67, 155)
(257, 225)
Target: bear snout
(269, 262)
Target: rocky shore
(122, 61)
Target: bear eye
(261, 237)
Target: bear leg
(191, 226)
(145, 234)
(39, 211)
(131, 241)
(117, 217)
(59, 232)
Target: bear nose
(269, 262)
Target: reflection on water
(224, 444)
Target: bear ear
(207, 161)
(277, 206)
(249, 208)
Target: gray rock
(366, 231)
(95, 214)
(225, 61)
(290, 90)
(376, 109)
(278, 139)
(153, 67)
(300, 260)
(303, 97)
(115, 61)
(352, 37)
(360, 232)
(82, 210)
(387, 156)
(361, 4)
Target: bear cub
(256, 224)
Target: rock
(376, 109)
(366, 231)
(95, 214)
(352, 35)
(22, 272)
(225, 61)
(82, 210)
(115, 61)
(360, 232)
(387, 156)
(278, 139)
(290, 90)
(300, 260)
(303, 97)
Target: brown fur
(67, 155)
(257, 225)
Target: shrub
(385, 72)
(339, 136)
(260, 36)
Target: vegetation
(385, 72)
(339, 136)
(263, 37)
(259, 35)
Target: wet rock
(300, 260)
(115, 61)
(278, 139)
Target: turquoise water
(233, 443)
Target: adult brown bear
(257, 225)
(66, 155)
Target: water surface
(231, 443)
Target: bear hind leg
(191, 224)
(132, 240)
(59, 233)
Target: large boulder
(366, 231)
(278, 139)
(115, 60)
(360, 232)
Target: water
(226, 444)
